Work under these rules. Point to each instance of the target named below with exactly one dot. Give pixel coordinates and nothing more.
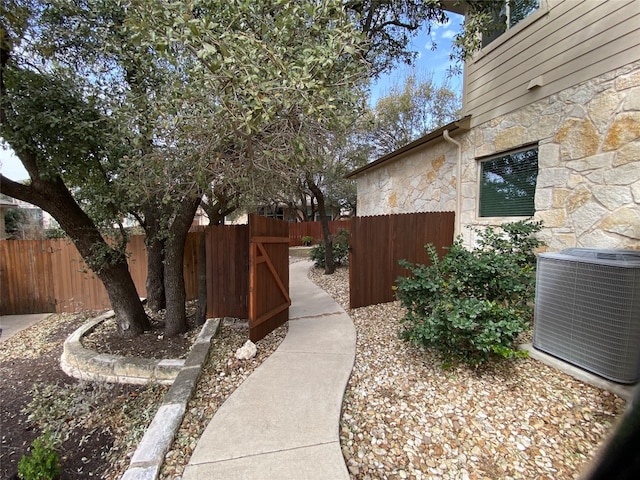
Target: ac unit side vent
(587, 310)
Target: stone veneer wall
(421, 181)
(588, 190)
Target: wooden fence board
(76, 287)
(41, 276)
(26, 283)
(377, 244)
(227, 271)
(313, 230)
(268, 275)
(137, 259)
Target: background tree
(408, 112)
(389, 25)
(23, 223)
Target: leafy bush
(43, 461)
(472, 304)
(340, 249)
(307, 240)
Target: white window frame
(542, 11)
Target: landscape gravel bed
(404, 416)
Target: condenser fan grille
(587, 310)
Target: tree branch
(18, 190)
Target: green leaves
(472, 304)
(42, 462)
(340, 245)
(408, 112)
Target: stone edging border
(84, 364)
(182, 375)
(149, 456)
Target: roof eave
(454, 6)
(454, 128)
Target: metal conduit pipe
(458, 224)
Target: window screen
(506, 15)
(508, 184)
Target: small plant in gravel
(472, 304)
(42, 462)
(340, 249)
(307, 240)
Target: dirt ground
(31, 360)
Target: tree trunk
(109, 264)
(201, 314)
(176, 318)
(130, 315)
(155, 244)
(329, 263)
(156, 299)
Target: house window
(508, 184)
(506, 16)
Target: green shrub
(340, 249)
(307, 240)
(472, 304)
(43, 461)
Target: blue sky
(429, 62)
(435, 62)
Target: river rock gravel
(404, 416)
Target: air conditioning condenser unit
(587, 310)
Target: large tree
(88, 45)
(263, 71)
(257, 81)
(66, 140)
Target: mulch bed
(32, 359)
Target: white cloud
(449, 34)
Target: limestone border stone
(156, 442)
(85, 364)
(182, 375)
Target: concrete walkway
(12, 324)
(283, 421)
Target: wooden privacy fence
(228, 271)
(377, 244)
(41, 276)
(313, 230)
(248, 273)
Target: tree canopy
(406, 113)
(142, 106)
(111, 104)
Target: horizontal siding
(546, 50)
(571, 43)
(519, 52)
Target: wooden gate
(248, 273)
(378, 243)
(269, 299)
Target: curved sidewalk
(283, 421)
